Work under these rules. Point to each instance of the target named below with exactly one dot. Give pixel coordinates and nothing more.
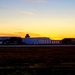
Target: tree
(27, 36)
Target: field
(36, 60)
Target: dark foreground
(42, 71)
(39, 60)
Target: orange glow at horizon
(22, 34)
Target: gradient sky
(49, 18)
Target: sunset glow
(48, 18)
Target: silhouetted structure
(11, 40)
(35, 41)
(67, 41)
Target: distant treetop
(27, 36)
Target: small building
(68, 41)
(3, 38)
(55, 42)
(10, 40)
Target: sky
(39, 18)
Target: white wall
(36, 40)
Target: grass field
(52, 59)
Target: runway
(37, 45)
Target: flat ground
(54, 58)
(44, 55)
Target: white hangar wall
(40, 40)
